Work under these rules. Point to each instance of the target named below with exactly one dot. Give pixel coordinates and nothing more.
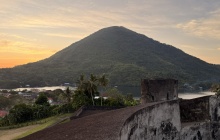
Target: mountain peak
(124, 55)
(115, 30)
(115, 27)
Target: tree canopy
(42, 100)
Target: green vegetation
(125, 56)
(21, 113)
(116, 98)
(13, 100)
(90, 87)
(84, 95)
(48, 122)
(42, 100)
(216, 88)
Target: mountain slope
(125, 56)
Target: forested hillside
(124, 55)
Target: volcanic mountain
(123, 55)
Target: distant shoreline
(41, 88)
(180, 95)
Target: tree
(67, 95)
(20, 113)
(115, 97)
(81, 82)
(92, 86)
(79, 100)
(88, 87)
(42, 100)
(103, 81)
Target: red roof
(3, 113)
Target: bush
(80, 99)
(42, 100)
(20, 113)
(41, 111)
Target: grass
(48, 122)
(10, 134)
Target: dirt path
(13, 133)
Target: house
(7, 95)
(50, 100)
(29, 96)
(67, 84)
(104, 95)
(3, 113)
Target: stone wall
(214, 102)
(196, 131)
(214, 105)
(195, 110)
(158, 90)
(209, 129)
(160, 121)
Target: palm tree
(68, 95)
(103, 81)
(81, 82)
(92, 86)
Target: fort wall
(160, 121)
(158, 90)
(195, 119)
(194, 110)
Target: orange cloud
(11, 62)
(23, 47)
(12, 59)
(17, 52)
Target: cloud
(27, 24)
(204, 27)
(71, 36)
(84, 15)
(4, 43)
(218, 49)
(14, 36)
(10, 46)
(59, 35)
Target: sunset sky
(31, 30)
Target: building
(3, 113)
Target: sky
(32, 30)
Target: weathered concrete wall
(201, 131)
(214, 103)
(210, 128)
(157, 122)
(162, 121)
(215, 130)
(195, 110)
(158, 90)
(196, 131)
